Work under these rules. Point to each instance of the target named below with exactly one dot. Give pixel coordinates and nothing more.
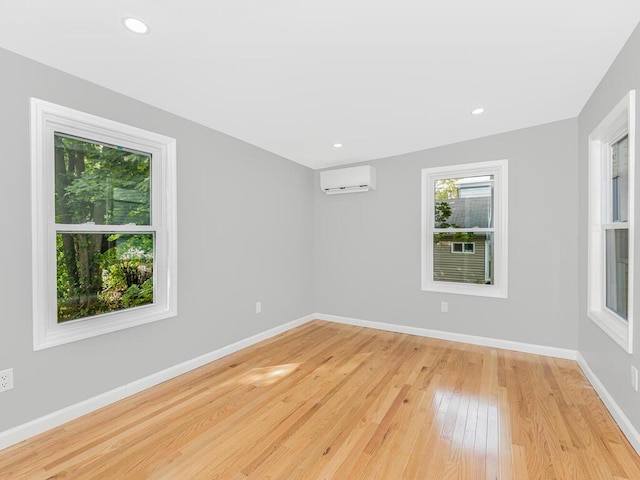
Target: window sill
(61, 333)
(466, 289)
(617, 329)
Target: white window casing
(47, 119)
(618, 123)
(499, 170)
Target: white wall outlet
(6, 380)
(444, 307)
(258, 307)
(634, 378)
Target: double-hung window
(104, 215)
(611, 205)
(464, 229)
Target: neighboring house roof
(469, 212)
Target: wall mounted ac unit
(348, 180)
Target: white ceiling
(382, 77)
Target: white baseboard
(614, 409)
(455, 337)
(55, 419)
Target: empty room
(319, 240)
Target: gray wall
(368, 244)
(609, 362)
(245, 220)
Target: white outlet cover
(634, 378)
(258, 307)
(6, 380)
(444, 307)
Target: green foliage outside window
(441, 217)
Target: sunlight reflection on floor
(261, 377)
(470, 423)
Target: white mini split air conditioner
(348, 180)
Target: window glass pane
(100, 272)
(476, 266)
(617, 271)
(101, 183)
(620, 180)
(464, 202)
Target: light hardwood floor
(330, 401)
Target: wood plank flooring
(330, 401)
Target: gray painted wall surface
(609, 361)
(368, 244)
(245, 220)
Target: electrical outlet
(634, 378)
(444, 307)
(258, 307)
(6, 380)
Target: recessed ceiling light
(477, 111)
(136, 26)
(337, 145)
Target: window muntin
(464, 229)
(104, 233)
(611, 229)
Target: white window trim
(47, 118)
(463, 251)
(497, 168)
(620, 120)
